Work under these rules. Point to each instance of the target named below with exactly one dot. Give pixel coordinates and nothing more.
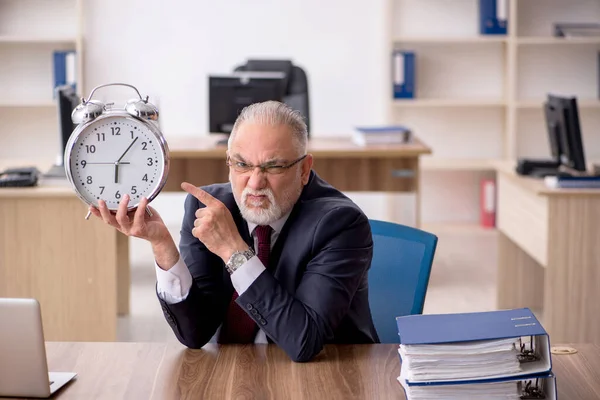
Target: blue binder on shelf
(403, 74)
(521, 324)
(493, 17)
(64, 69)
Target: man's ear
(307, 164)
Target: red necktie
(238, 327)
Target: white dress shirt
(174, 285)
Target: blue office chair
(399, 274)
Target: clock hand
(123, 155)
(111, 163)
(120, 158)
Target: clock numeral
(117, 195)
(150, 162)
(145, 178)
(83, 163)
(102, 189)
(101, 137)
(131, 134)
(90, 148)
(133, 189)
(89, 180)
(116, 131)
(144, 146)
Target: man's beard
(267, 215)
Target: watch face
(117, 155)
(237, 260)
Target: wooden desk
(170, 371)
(72, 266)
(348, 167)
(549, 254)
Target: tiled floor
(462, 280)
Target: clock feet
(87, 216)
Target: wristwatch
(237, 259)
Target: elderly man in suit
(275, 255)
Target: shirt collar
(277, 226)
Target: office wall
(169, 49)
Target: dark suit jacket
(316, 290)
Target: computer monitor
(66, 101)
(564, 138)
(229, 94)
(552, 115)
(562, 121)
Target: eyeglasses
(268, 168)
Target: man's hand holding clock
(214, 227)
(140, 224)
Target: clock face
(114, 156)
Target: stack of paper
(478, 359)
(377, 135)
(488, 391)
(489, 355)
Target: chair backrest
(399, 274)
(296, 93)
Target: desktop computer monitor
(562, 121)
(66, 101)
(564, 137)
(229, 94)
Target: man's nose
(258, 179)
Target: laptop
(23, 365)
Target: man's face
(264, 197)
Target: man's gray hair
(274, 113)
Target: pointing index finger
(200, 194)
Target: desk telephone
(19, 177)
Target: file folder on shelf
(403, 74)
(457, 337)
(538, 387)
(64, 69)
(493, 17)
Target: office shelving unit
(30, 31)
(479, 97)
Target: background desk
(348, 167)
(549, 254)
(72, 266)
(169, 371)
(79, 270)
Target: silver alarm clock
(116, 151)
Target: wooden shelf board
(35, 39)
(418, 103)
(557, 40)
(581, 103)
(21, 104)
(450, 40)
(456, 164)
